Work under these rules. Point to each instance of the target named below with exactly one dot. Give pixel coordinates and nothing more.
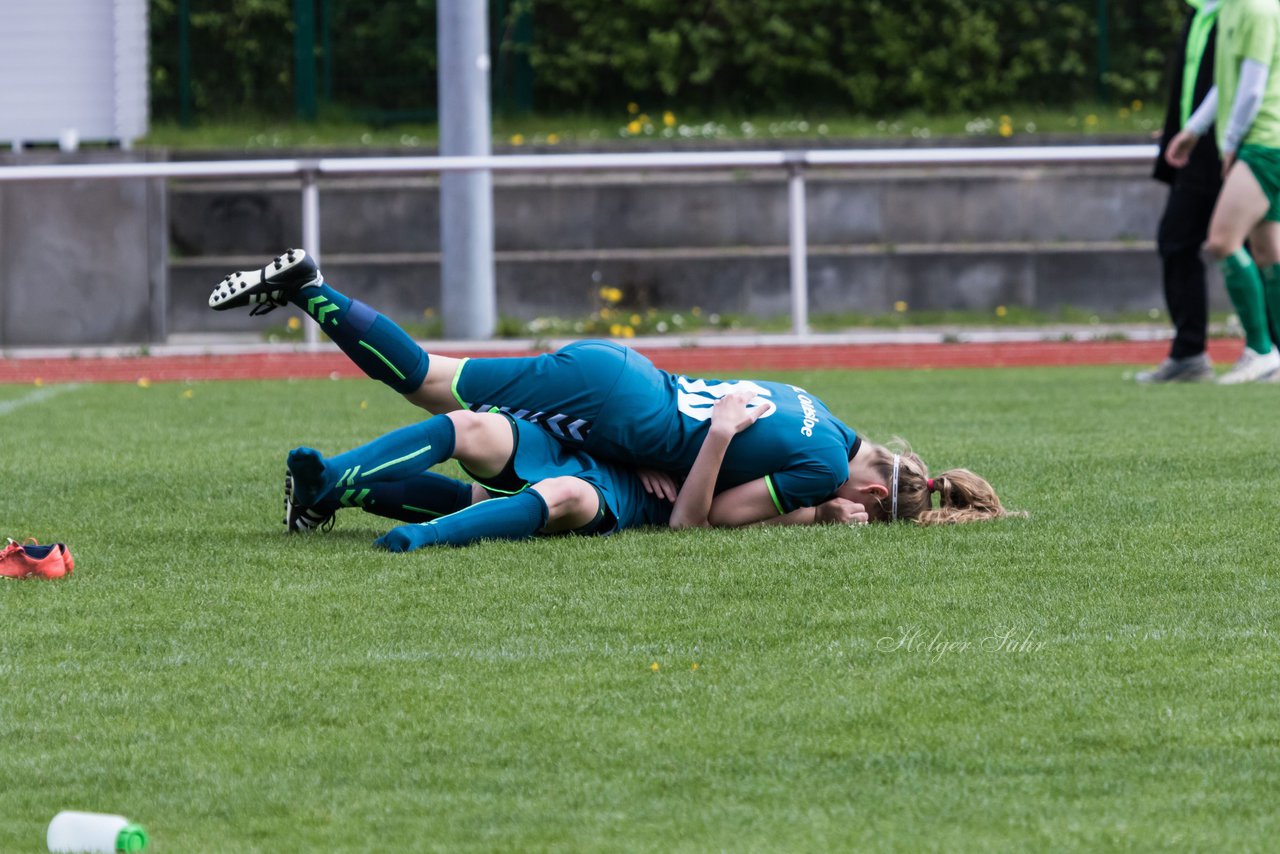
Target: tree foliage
(863, 56)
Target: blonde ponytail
(962, 495)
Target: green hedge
(866, 57)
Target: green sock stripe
(422, 510)
(320, 315)
(371, 349)
(348, 477)
(488, 488)
(454, 386)
(406, 457)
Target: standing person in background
(1193, 189)
(1244, 104)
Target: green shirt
(1249, 29)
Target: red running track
(686, 360)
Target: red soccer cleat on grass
(32, 560)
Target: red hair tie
(931, 487)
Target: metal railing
(793, 163)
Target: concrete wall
(945, 239)
(82, 262)
(132, 262)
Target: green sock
(1244, 286)
(1271, 292)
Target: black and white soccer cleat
(300, 519)
(269, 288)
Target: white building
(73, 70)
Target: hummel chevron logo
(357, 501)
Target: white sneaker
(1190, 369)
(1252, 366)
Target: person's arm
(1204, 116)
(1247, 103)
(837, 511)
(1178, 154)
(729, 417)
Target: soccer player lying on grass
(612, 402)
(539, 486)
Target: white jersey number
(695, 398)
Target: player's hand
(658, 483)
(841, 511)
(1178, 154)
(731, 414)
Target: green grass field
(1104, 675)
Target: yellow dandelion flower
(635, 319)
(695, 311)
(188, 394)
(553, 139)
(1124, 112)
(1006, 130)
(428, 312)
(628, 332)
(37, 382)
(694, 666)
(364, 404)
(900, 306)
(643, 119)
(669, 119)
(615, 329)
(606, 313)
(633, 108)
(655, 667)
(1001, 311)
(1136, 105)
(633, 126)
(293, 324)
(517, 139)
(1091, 120)
(143, 382)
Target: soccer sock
(402, 453)
(515, 517)
(375, 343)
(1244, 286)
(420, 498)
(1271, 294)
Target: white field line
(38, 396)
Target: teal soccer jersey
(614, 403)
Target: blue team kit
(614, 403)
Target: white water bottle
(94, 833)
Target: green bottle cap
(132, 837)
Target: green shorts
(1264, 163)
